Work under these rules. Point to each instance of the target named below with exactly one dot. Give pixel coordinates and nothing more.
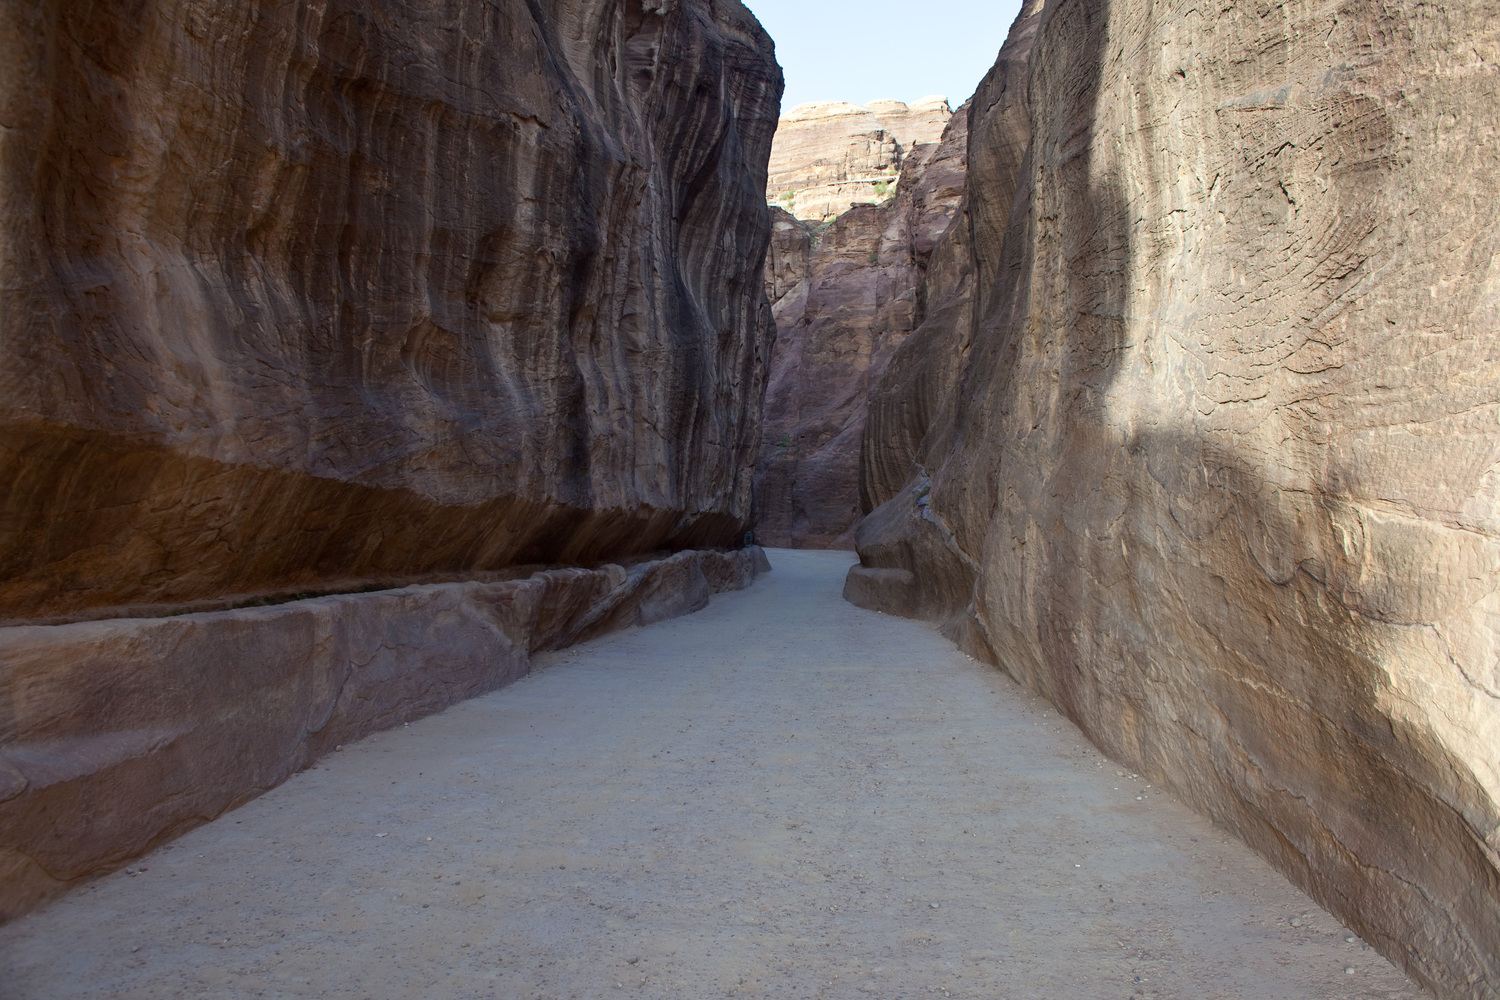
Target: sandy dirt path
(782, 795)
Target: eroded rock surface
(304, 294)
(1213, 430)
(829, 156)
(844, 295)
(331, 297)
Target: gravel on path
(781, 795)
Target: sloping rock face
(830, 156)
(188, 716)
(844, 297)
(1213, 445)
(300, 295)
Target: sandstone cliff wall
(328, 297)
(1208, 450)
(844, 296)
(298, 296)
(829, 156)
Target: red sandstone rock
(303, 294)
(845, 296)
(337, 296)
(1213, 457)
(829, 156)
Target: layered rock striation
(844, 295)
(1206, 446)
(301, 296)
(829, 156)
(453, 315)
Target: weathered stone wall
(1213, 457)
(118, 735)
(299, 295)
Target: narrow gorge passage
(782, 795)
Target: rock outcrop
(133, 730)
(329, 297)
(301, 296)
(844, 295)
(829, 156)
(1207, 447)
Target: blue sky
(834, 50)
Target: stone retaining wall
(118, 735)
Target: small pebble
(380, 835)
(934, 906)
(1348, 972)
(1296, 922)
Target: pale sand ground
(782, 795)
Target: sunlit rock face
(1207, 450)
(298, 296)
(831, 155)
(845, 295)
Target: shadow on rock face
(469, 286)
(898, 540)
(1195, 478)
(920, 549)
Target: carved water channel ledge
(118, 735)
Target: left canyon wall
(451, 314)
(305, 295)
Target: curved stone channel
(782, 795)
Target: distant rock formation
(1201, 434)
(311, 296)
(830, 156)
(844, 295)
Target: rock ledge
(125, 733)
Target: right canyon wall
(1200, 436)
